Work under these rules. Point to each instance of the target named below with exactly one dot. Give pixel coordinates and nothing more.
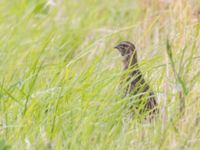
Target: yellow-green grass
(59, 73)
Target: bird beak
(117, 47)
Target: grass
(59, 73)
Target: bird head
(125, 48)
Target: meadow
(59, 73)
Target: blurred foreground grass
(59, 73)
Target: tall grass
(59, 73)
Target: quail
(135, 85)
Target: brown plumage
(134, 81)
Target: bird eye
(124, 46)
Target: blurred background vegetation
(59, 73)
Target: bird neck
(130, 61)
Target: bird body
(133, 79)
